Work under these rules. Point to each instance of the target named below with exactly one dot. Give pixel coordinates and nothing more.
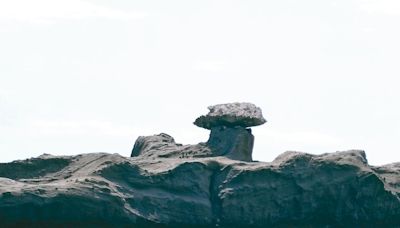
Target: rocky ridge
(167, 184)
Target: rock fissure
(215, 201)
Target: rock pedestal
(233, 142)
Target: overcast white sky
(88, 76)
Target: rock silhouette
(167, 184)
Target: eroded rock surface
(164, 146)
(295, 190)
(235, 143)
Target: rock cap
(241, 114)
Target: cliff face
(296, 189)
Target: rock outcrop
(295, 190)
(230, 135)
(164, 146)
(211, 184)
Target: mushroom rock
(230, 135)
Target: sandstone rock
(231, 115)
(108, 190)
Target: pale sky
(91, 76)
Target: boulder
(231, 115)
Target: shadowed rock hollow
(166, 184)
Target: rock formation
(295, 190)
(166, 184)
(230, 135)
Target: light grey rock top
(231, 115)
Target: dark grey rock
(231, 115)
(145, 144)
(164, 146)
(295, 190)
(233, 142)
